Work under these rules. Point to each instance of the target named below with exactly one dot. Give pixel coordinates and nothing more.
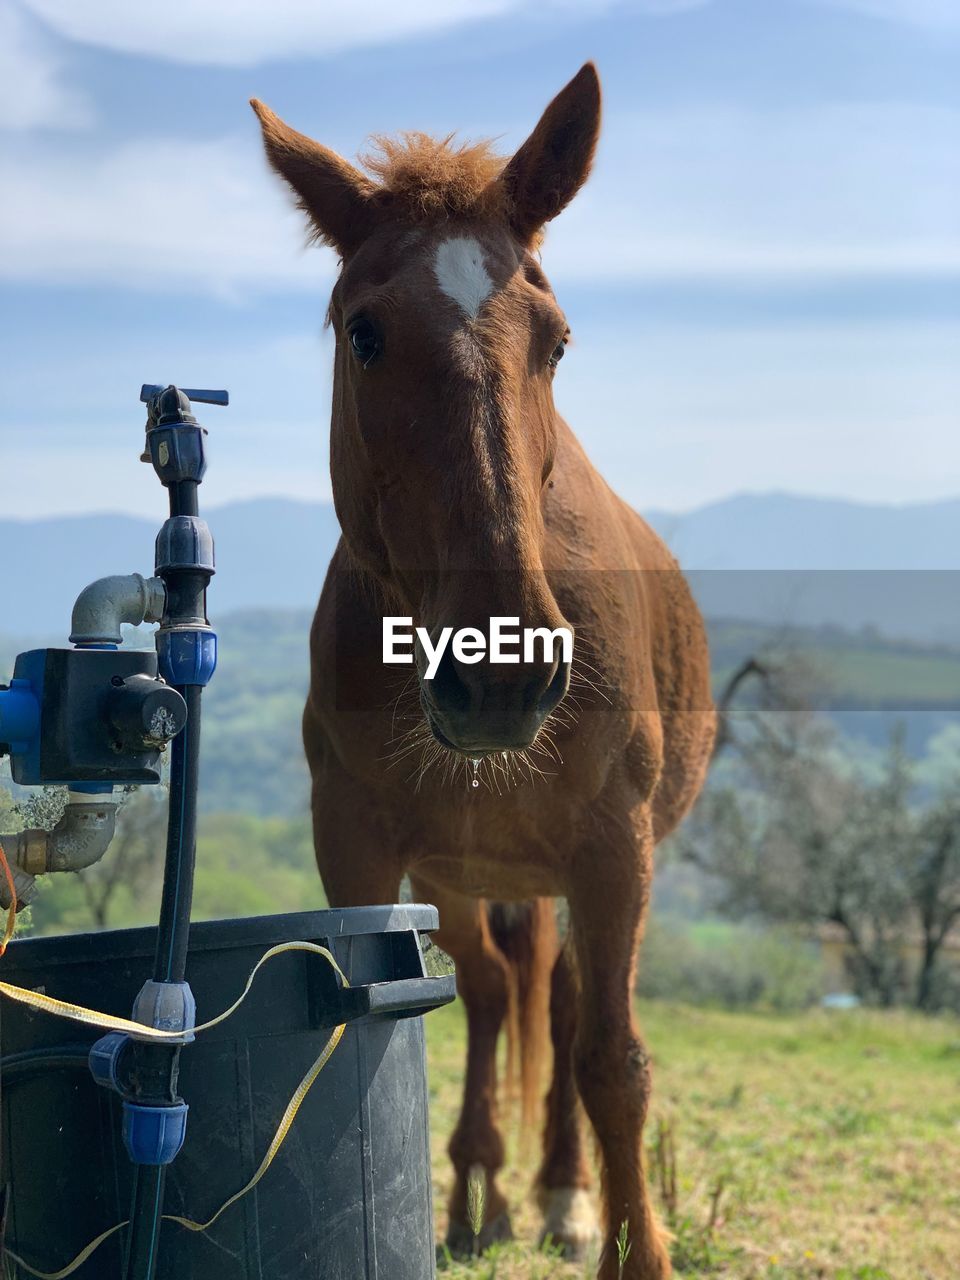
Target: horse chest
(486, 855)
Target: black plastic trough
(349, 1195)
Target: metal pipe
(80, 838)
(25, 886)
(105, 604)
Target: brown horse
(462, 495)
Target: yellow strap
(78, 1013)
(78, 1261)
(276, 1142)
(12, 909)
(108, 1022)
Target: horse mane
(436, 178)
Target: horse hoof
(651, 1264)
(569, 1221)
(461, 1242)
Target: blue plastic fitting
(184, 542)
(168, 1006)
(187, 655)
(151, 1134)
(104, 1057)
(154, 1135)
(176, 451)
(19, 716)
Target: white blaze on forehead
(462, 275)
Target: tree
(134, 860)
(797, 832)
(935, 886)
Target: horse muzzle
(477, 711)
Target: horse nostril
(478, 709)
(554, 690)
(447, 687)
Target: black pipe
(17, 1067)
(170, 961)
(173, 933)
(185, 572)
(143, 1234)
(184, 500)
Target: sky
(761, 275)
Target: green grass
(908, 678)
(834, 1140)
(857, 668)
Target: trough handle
(400, 997)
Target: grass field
(830, 1142)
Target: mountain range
(776, 558)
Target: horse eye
(557, 356)
(364, 341)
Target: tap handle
(151, 390)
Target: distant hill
(796, 561)
(271, 553)
(776, 558)
(788, 531)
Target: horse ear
(552, 165)
(336, 197)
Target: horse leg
(476, 1145)
(608, 901)
(569, 1218)
(358, 864)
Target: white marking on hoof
(569, 1218)
(462, 275)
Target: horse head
(444, 431)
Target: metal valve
(144, 712)
(174, 442)
(151, 390)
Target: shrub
(735, 966)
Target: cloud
(845, 191)
(664, 8)
(75, 218)
(247, 32)
(679, 415)
(33, 94)
(939, 14)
